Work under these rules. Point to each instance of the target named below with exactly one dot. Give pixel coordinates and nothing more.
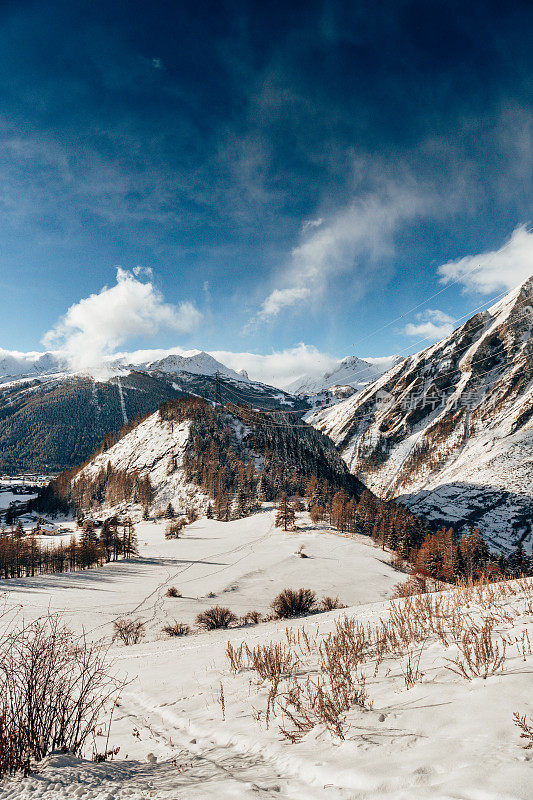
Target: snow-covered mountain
(198, 362)
(450, 430)
(350, 372)
(16, 365)
(192, 453)
(51, 420)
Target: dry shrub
(416, 583)
(480, 655)
(177, 629)
(525, 728)
(216, 617)
(236, 657)
(174, 528)
(54, 689)
(325, 700)
(192, 515)
(293, 603)
(129, 631)
(252, 618)
(330, 604)
(173, 592)
(411, 670)
(315, 679)
(272, 661)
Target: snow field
(445, 737)
(243, 564)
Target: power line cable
(414, 308)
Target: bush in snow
(252, 618)
(174, 528)
(177, 629)
(330, 604)
(216, 617)
(173, 592)
(54, 690)
(129, 631)
(293, 603)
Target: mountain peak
(450, 429)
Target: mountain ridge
(458, 414)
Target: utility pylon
(218, 392)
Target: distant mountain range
(52, 419)
(450, 430)
(14, 366)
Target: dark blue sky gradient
(198, 138)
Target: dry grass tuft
(480, 655)
(129, 631)
(177, 629)
(525, 728)
(314, 679)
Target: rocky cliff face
(450, 430)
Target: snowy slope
(148, 450)
(445, 737)
(450, 429)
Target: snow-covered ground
(446, 737)
(7, 497)
(241, 564)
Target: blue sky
(283, 173)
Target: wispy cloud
(93, 328)
(432, 324)
(495, 269)
(349, 240)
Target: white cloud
(281, 298)
(312, 223)
(146, 272)
(433, 324)
(282, 367)
(497, 269)
(279, 368)
(360, 233)
(92, 329)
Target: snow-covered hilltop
(350, 372)
(450, 430)
(193, 454)
(197, 363)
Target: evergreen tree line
(25, 555)
(440, 554)
(80, 493)
(238, 472)
(266, 458)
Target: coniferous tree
(285, 515)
